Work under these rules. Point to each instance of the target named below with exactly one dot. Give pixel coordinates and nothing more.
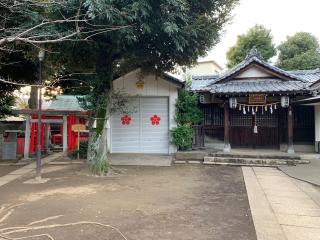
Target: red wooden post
(78, 139)
(32, 138)
(227, 147)
(77, 128)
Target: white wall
(317, 122)
(253, 72)
(205, 68)
(153, 86)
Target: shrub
(188, 113)
(83, 150)
(100, 168)
(182, 137)
(98, 163)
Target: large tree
(163, 34)
(300, 51)
(257, 36)
(39, 22)
(154, 35)
(16, 67)
(25, 26)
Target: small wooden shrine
(57, 120)
(256, 105)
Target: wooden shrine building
(257, 105)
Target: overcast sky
(283, 17)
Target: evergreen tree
(113, 37)
(257, 36)
(159, 35)
(300, 51)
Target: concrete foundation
(308, 148)
(123, 159)
(190, 156)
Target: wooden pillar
(290, 130)
(65, 136)
(1, 144)
(27, 139)
(11, 146)
(46, 137)
(317, 128)
(227, 147)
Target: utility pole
(38, 162)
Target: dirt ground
(179, 202)
(5, 169)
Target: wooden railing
(198, 137)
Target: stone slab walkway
(27, 169)
(305, 172)
(281, 208)
(123, 159)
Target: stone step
(188, 161)
(256, 156)
(190, 155)
(57, 149)
(241, 164)
(251, 161)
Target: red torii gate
(63, 111)
(72, 137)
(64, 118)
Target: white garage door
(144, 130)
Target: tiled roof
(258, 86)
(65, 103)
(284, 81)
(308, 75)
(254, 57)
(200, 83)
(169, 77)
(13, 119)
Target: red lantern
(126, 120)
(155, 120)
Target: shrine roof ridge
(279, 80)
(258, 60)
(259, 86)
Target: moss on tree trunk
(98, 145)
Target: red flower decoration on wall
(126, 120)
(155, 120)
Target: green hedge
(83, 150)
(188, 113)
(182, 137)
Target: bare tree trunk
(98, 145)
(33, 100)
